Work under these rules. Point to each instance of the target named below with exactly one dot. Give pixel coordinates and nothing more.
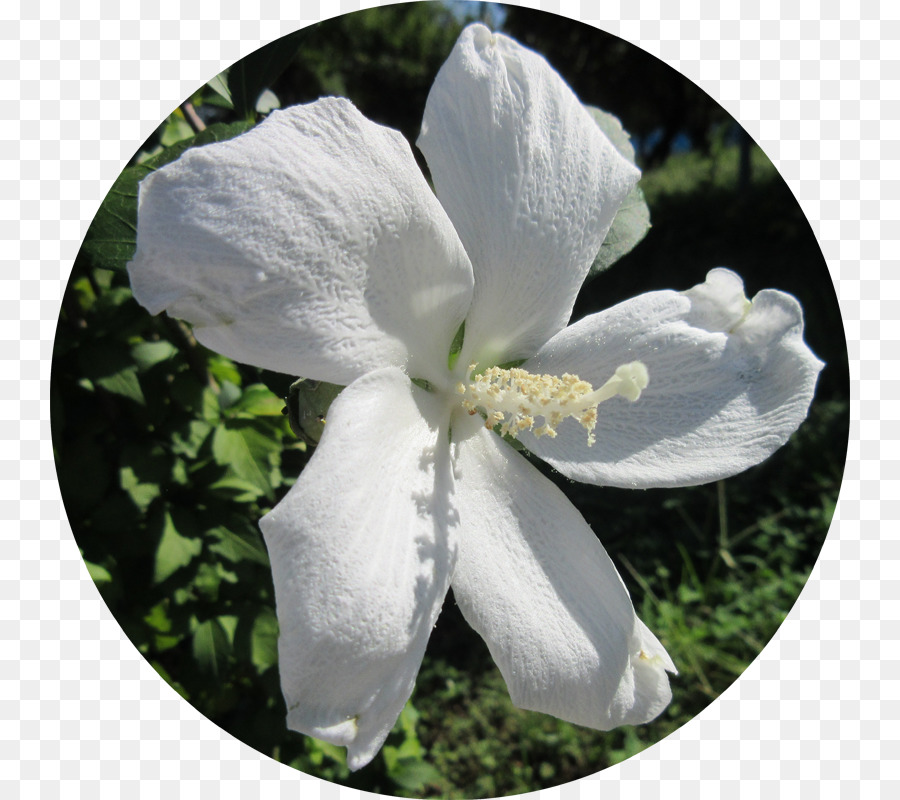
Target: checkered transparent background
(81, 84)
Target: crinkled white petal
(531, 185)
(534, 581)
(361, 562)
(729, 382)
(311, 245)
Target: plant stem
(192, 117)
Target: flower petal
(311, 245)
(534, 581)
(729, 382)
(361, 563)
(530, 182)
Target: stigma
(516, 400)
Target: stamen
(513, 398)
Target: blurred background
(168, 454)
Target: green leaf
(148, 354)
(238, 546)
(510, 364)
(175, 130)
(164, 636)
(110, 367)
(223, 369)
(143, 470)
(456, 345)
(174, 550)
(99, 575)
(423, 384)
(245, 450)
(238, 490)
(630, 225)
(219, 85)
(632, 221)
(110, 240)
(229, 624)
(158, 617)
(258, 401)
(141, 494)
(612, 127)
(307, 406)
(209, 406)
(189, 438)
(319, 751)
(414, 774)
(252, 75)
(124, 383)
(211, 646)
(405, 763)
(229, 394)
(206, 582)
(264, 640)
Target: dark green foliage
(383, 59)
(657, 105)
(168, 454)
(251, 76)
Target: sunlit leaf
(223, 369)
(209, 407)
(238, 546)
(175, 130)
(99, 575)
(229, 394)
(158, 617)
(188, 439)
(264, 640)
(259, 401)
(211, 646)
(219, 85)
(143, 470)
(174, 550)
(148, 354)
(123, 383)
(414, 774)
(111, 368)
(238, 490)
(244, 450)
(206, 582)
(141, 494)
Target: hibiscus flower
(313, 245)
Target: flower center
(514, 398)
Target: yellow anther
(513, 398)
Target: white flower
(313, 245)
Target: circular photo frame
(575, 211)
